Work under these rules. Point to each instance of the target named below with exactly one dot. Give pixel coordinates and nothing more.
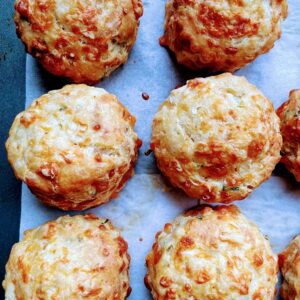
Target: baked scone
(289, 262)
(211, 254)
(81, 257)
(221, 35)
(75, 147)
(216, 138)
(289, 114)
(83, 40)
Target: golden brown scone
(83, 40)
(75, 148)
(211, 254)
(289, 114)
(289, 262)
(81, 257)
(222, 35)
(216, 138)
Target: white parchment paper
(148, 202)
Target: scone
(289, 262)
(221, 35)
(289, 114)
(216, 138)
(75, 147)
(211, 254)
(81, 257)
(83, 40)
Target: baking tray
(148, 202)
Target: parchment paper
(148, 202)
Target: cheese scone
(289, 262)
(212, 254)
(221, 35)
(75, 148)
(216, 138)
(289, 114)
(83, 40)
(81, 257)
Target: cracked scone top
(216, 138)
(211, 254)
(75, 147)
(83, 40)
(289, 114)
(81, 257)
(289, 261)
(221, 35)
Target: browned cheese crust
(221, 35)
(211, 254)
(217, 138)
(289, 114)
(83, 40)
(75, 148)
(81, 257)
